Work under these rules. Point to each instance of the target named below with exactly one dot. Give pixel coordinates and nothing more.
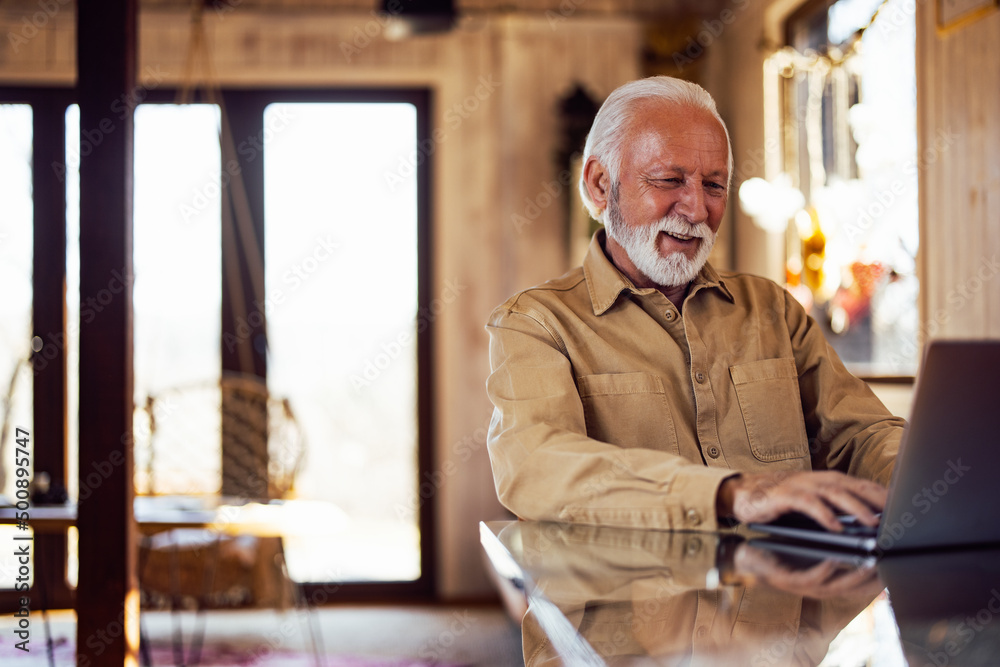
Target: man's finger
(818, 509)
(848, 503)
(873, 494)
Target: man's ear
(598, 182)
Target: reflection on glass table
(612, 596)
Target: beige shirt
(611, 407)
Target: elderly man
(647, 389)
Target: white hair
(608, 131)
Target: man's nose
(692, 203)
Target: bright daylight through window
(15, 325)
(341, 290)
(341, 226)
(842, 177)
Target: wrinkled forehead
(659, 132)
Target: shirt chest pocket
(628, 410)
(768, 394)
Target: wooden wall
(733, 75)
(493, 162)
(958, 92)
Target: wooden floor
(479, 636)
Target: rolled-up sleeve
(547, 468)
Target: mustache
(676, 224)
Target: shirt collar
(606, 283)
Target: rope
(239, 225)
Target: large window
(341, 281)
(843, 121)
(177, 295)
(256, 328)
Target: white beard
(640, 245)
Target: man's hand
(763, 497)
(823, 579)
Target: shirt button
(702, 631)
(670, 315)
(700, 377)
(693, 546)
(693, 517)
(713, 451)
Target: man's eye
(715, 186)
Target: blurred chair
(193, 461)
(260, 451)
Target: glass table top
(614, 596)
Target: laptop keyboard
(850, 523)
(854, 527)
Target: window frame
(48, 279)
(244, 115)
(790, 155)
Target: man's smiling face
(666, 209)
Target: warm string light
(790, 61)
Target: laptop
(945, 487)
